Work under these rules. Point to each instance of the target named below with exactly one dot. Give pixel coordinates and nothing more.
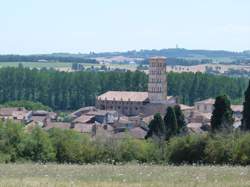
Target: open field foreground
(122, 176)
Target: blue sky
(46, 26)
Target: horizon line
(123, 51)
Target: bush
(241, 152)
(65, 145)
(37, 146)
(11, 136)
(219, 149)
(187, 149)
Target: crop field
(132, 175)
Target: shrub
(65, 145)
(241, 153)
(37, 146)
(187, 149)
(219, 149)
(11, 136)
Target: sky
(82, 26)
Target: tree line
(72, 90)
(46, 58)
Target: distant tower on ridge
(157, 83)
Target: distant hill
(170, 53)
(176, 53)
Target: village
(119, 114)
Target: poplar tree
(222, 116)
(181, 123)
(246, 111)
(156, 127)
(170, 122)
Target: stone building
(205, 106)
(141, 103)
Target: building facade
(205, 106)
(127, 103)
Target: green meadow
(131, 175)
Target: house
(84, 119)
(83, 128)
(137, 133)
(7, 113)
(41, 117)
(60, 125)
(104, 116)
(205, 106)
(237, 111)
(18, 114)
(82, 111)
(23, 116)
(199, 117)
(123, 122)
(186, 110)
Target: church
(131, 103)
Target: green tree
(67, 145)
(246, 110)
(222, 116)
(11, 136)
(38, 147)
(182, 126)
(170, 122)
(156, 127)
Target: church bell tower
(157, 83)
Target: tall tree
(222, 116)
(246, 110)
(181, 123)
(170, 122)
(156, 127)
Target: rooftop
(10, 110)
(186, 107)
(101, 112)
(157, 58)
(83, 119)
(237, 108)
(206, 101)
(124, 96)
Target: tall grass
(133, 175)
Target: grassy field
(122, 176)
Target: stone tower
(157, 83)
